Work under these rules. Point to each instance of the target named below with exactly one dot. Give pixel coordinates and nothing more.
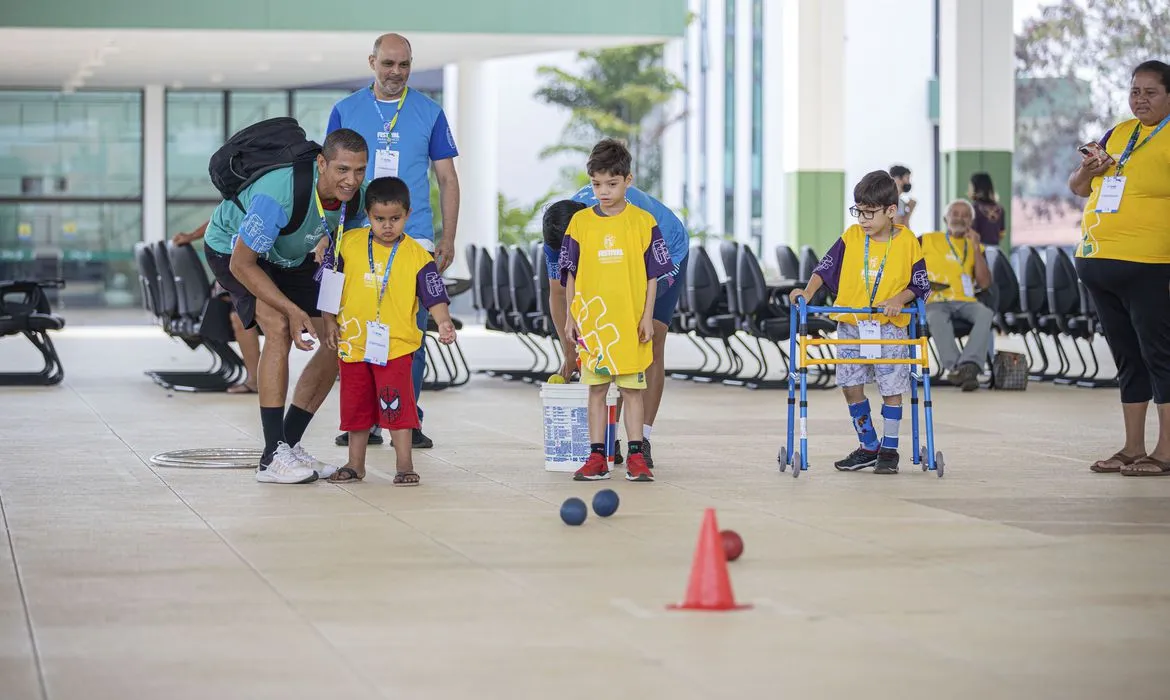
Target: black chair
(25, 310)
(764, 315)
(1031, 271)
(708, 303)
(1064, 306)
(525, 316)
(788, 263)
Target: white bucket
(566, 425)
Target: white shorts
(892, 380)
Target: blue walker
(799, 343)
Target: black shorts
(296, 283)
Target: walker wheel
(783, 459)
(922, 459)
(938, 463)
(796, 464)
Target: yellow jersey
(1139, 231)
(414, 279)
(893, 266)
(613, 260)
(947, 260)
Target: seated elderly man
(957, 267)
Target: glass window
(312, 108)
(85, 144)
(245, 108)
(195, 130)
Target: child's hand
(646, 329)
(892, 308)
(319, 251)
(331, 332)
(797, 294)
(572, 331)
(446, 332)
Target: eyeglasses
(863, 214)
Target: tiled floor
(1018, 575)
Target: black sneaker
(887, 462)
(617, 452)
(859, 459)
(968, 376)
(420, 441)
(343, 440)
(646, 453)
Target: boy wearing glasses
(875, 263)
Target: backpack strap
(302, 194)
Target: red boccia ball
(732, 544)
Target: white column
(673, 156)
(743, 120)
(154, 163)
(696, 115)
(714, 106)
(776, 230)
(476, 134)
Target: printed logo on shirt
(661, 252)
(433, 283)
(386, 136)
(610, 253)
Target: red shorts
(373, 395)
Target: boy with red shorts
(385, 275)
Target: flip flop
(1125, 460)
(409, 478)
(241, 389)
(344, 475)
(1146, 466)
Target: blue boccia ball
(573, 511)
(605, 502)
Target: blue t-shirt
(678, 241)
(421, 135)
(269, 204)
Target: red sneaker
(596, 467)
(636, 469)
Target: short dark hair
(899, 170)
(1155, 68)
(982, 188)
(387, 190)
(609, 156)
(876, 189)
(556, 220)
(343, 140)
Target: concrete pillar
(977, 118)
(776, 230)
(674, 161)
(814, 120)
(742, 198)
(476, 129)
(154, 163)
(712, 184)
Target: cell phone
(1091, 148)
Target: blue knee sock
(864, 425)
(890, 415)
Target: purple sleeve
(442, 145)
(657, 256)
(919, 280)
(570, 255)
(829, 269)
(431, 289)
(1105, 139)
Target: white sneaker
(323, 469)
(285, 468)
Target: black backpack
(261, 148)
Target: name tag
(377, 343)
(870, 330)
(1109, 199)
(329, 296)
(968, 286)
(385, 163)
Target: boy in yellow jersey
(955, 259)
(611, 253)
(875, 263)
(386, 275)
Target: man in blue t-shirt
(406, 132)
(272, 279)
(556, 220)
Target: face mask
(905, 186)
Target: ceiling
(101, 58)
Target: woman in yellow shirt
(1124, 261)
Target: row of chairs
(25, 309)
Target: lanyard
(325, 223)
(966, 250)
(394, 120)
(1133, 145)
(385, 275)
(881, 268)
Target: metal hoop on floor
(209, 458)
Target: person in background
(906, 203)
(989, 215)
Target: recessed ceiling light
(262, 67)
(177, 85)
(216, 78)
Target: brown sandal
(1125, 460)
(406, 478)
(345, 475)
(1146, 466)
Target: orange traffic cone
(710, 585)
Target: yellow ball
(556, 379)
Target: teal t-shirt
(269, 203)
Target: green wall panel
(816, 202)
(958, 166)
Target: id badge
(329, 296)
(385, 163)
(870, 330)
(377, 343)
(968, 286)
(1109, 200)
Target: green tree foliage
(519, 224)
(620, 93)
